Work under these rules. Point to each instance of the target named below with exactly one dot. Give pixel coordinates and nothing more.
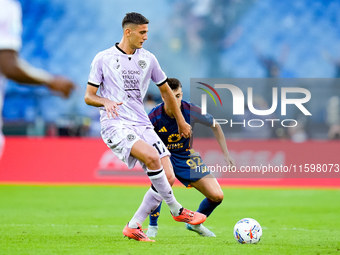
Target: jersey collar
(117, 47)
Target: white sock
(161, 184)
(150, 202)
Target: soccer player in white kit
(123, 73)
(14, 68)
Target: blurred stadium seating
(64, 36)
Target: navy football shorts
(188, 168)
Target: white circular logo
(142, 64)
(130, 137)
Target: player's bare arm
(91, 98)
(18, 70)
(184, 129)
(219, 135)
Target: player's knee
(217, 197)
(152, 160)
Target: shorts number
(195, 162)
(159, 147)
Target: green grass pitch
(90, 219)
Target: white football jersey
(125, 78)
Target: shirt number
(159, 147)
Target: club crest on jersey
(131, 137)
(142, 64)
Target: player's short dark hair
(174, 83)
(134, 18)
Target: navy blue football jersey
(184, 160)
(167, 129)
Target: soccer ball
(247, 230)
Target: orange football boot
(193, 218)
(136, 233)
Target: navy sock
(154, 216)
(207, 206)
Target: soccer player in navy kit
(184, 159)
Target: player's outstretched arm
(219, 135)
(91, 98)
(20, 71)
(184, 129)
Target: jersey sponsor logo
(162, 130)
(173, 138)
(130, 87)
(142, 64)
(175, 146)
(131, 137)
(131, 79)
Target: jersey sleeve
(155, 115)
(96, 72)
(10, 26)
(197, 117)
(157, 74)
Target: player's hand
(184, 130)
(112, 108)
(62, 85)
(230, 161)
